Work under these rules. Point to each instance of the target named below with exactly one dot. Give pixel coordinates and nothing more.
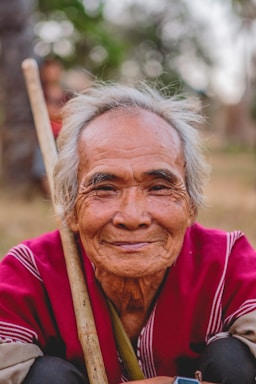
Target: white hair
(179, 112)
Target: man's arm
(16, 360)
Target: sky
(228, 45)
(227, 42)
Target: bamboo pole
(86, 328)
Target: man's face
(132, 207)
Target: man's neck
(133, 298)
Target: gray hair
(179, 112)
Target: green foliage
(90, 30)
(139, 49)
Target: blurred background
(206, 48)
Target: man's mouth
(130, 246)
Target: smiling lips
(131, 246)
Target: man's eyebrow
(97, 178)
(165, 174)
(100, 177)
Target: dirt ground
(231, 203)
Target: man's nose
(132, 212)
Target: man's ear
(192, 213)
(72, 221)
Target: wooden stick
(87, 332)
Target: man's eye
(104, 188)
(159, 187)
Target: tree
(85, 37)
(245, 12)
(141, 43)
(17, 131)
(155, 44)
(164, 38)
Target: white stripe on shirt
(16, 333)
(215, 322)
(25, 256)
(145, 347)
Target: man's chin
(136, 271)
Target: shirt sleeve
(239, 292)
(16, 360)
(244, 329)
(239, 295)
(25, 309)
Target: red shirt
(212, 283)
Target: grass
(23, 218)
(231, 193)
(231, 203)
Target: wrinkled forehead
(130, 124)
(134, 139)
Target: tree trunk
(17, 128)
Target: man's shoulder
(42, 255)
(45, 240)
(198, 231)
(45, 247)
(209, 242)
(214, 241)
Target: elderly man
(129, 176)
